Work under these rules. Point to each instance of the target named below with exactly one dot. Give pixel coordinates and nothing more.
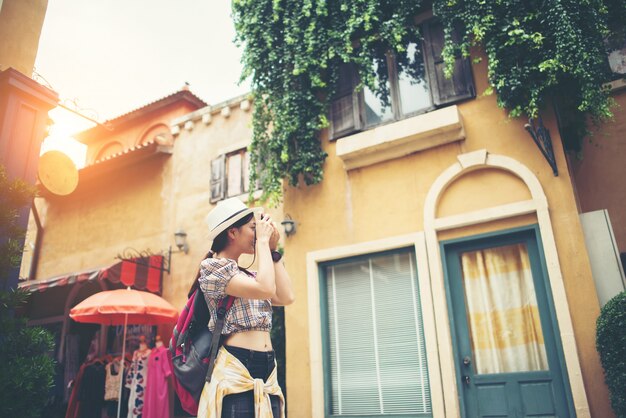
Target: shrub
(26, 368)
(611, 344)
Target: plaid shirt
(245, 314)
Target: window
(420, 89)
(374, 340)
(230, 175)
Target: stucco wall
(599, 175)
(387, 199)
(20, 28)
(89, 228)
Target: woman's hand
(274, 238)
(264, 229)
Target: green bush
(611, 344)
(26, 368)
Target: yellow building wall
(88, 228)
(599, 175)
(387, 199)
(20, 28)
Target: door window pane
(376, 344)
(505, 329)
(414, 93)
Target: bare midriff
(252, 340)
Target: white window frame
(417, 241)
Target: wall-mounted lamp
(289, 225)
(180, 238)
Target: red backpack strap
(182, 324)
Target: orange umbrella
(123, 307)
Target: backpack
(194, 348)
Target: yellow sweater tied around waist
(229, 377)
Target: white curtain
(502, 311)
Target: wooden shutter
(376, 353)
(218, 178)
(445, 90)
(344, 109)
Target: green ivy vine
(540, 52)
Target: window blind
(376, 350)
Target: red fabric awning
(140, 273)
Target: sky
(112, 56)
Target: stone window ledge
(401, 138)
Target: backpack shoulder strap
(223, 307)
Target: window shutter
(376, 349)
(344, 109)
(445, 90)
(218, 178)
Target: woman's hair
(219, 243)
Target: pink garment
(157, 399)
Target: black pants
(260, 365)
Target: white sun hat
(226, 213)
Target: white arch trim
(538, 204)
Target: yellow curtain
(502, 311)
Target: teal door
(508, 357)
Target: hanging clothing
(113, 381)
(157, 400)
(136, 381)
(72, 363)
(231, 376)
(73, 406)
(91, 393)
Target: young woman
(244, 378)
